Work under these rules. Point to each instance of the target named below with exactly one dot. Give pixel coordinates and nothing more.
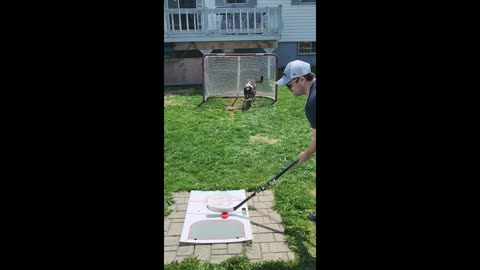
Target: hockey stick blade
(219, 209)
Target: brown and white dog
(249, 91)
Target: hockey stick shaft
(262, 188)
(234, 101)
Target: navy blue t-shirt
(311, 106)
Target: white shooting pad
(203, 226)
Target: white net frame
(225, 74)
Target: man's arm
(312, 148)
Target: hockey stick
(235, 98)
(262, 188)
(238, 94)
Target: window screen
(307, 47)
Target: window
(235, 3)
(307, 47)
(181, 4)
(303, 2)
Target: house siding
(299, 25)
(288, 51)
(182, 71)
(210, 4)
(299, 21)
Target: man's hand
(303, 157)
(312, 148)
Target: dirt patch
(258, 138)
(233, 105)
(232, 108)
(177, 92)
(168, 101)
(314, 192)
(231, 116)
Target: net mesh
(220, 200)
(226, 75)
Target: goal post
(225, 74)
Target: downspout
(281, 20)
(165, 20)
(205, 18)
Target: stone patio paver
(218, 251)
(185, 250)
(235, 248)
(254, 252)
(268, 234)
(203, 252)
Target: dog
(249, 91)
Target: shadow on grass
(196, 90)
(183, 90)
(231, 103)
(303, 260)
(266, 227)
(246, 105)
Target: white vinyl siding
(303, 2)
(299, 21)
(210, 4)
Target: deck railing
(222, 21)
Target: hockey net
(225, 75)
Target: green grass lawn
(210, 147)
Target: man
(301, 81)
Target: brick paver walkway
(268, 234)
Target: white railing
(222, 21)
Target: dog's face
(250, 86)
